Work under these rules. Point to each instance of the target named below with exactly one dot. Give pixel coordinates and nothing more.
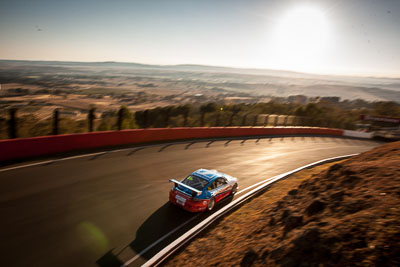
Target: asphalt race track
(80, 211)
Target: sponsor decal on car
(180, 200)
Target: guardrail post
(231, 119)
(55, 121)
(266, 120)
(244, 120)
(91, 118)
(185, 118)
(145, 118)
(120, 118)
(306, 121)
(311, 122)
(202, 119)
(167, 115)
(276, 120)
(12, 123)
(255, 120)
(286, 120)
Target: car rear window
(195, 182)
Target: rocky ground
(346, 215)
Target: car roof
(208, 175)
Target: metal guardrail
(186, 237)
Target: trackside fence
(19, 148)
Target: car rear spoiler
(197, 192)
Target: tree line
(323, 114)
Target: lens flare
(91, 236)
(301, 38)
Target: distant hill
(252, 81)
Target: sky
(351, 37)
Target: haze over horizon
(324, 37)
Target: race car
(202, 189)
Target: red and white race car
(202, 189)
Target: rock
(359, 243)
(272, 221)
(350, 181)
(347, 172)
(249, 258)
(309, 249)
(265, 254)
(285, 214)
(315, 207)
(355, 206)
(322, 224)
(335, 167)
(277, 253)
(293, 192)
(338, 196)
(293, 221)
(315, 194)
(279, 205)
(307, 239)
(314, 188)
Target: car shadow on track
(161, 222)
(165, 225)
(162, 227)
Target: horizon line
(353, 75)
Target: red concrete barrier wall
(45, 145)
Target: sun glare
(301, 39)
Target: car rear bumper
(188, 203)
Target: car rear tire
(234, 189)
(211, 204)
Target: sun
(301, 38)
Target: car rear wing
(194, 190)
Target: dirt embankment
(346, 215)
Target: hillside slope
(348, 214)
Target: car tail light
(199, 201)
